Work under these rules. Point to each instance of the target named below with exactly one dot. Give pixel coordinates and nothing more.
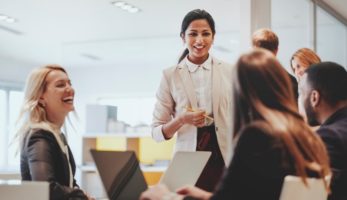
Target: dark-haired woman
(193, 99)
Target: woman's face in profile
(298, 68)
(198, 38)
(59, 95)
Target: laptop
(122, 177)
(16, 189)
(184, 169)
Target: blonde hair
(32, 113)
(265, 38)
(306, 56)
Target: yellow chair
(151, 151)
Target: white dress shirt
(201, 76)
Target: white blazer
(176, 92)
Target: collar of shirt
(63, 138)
(193, 67)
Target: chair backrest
(15, 189)
(294, 188)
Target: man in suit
(323, 94)
(267, 39)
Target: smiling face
(198, 38)
(57, 99)
(298, 68)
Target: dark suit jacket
(295, 86)
(43, 160)
(334, 134)
(258, 167)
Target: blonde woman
(45, 154)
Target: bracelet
(169, 196)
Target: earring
(42, 105)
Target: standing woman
(193, 99)
(45, 154)
(273, 140)
(303, 59)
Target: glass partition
(331, 38)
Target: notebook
(122, 177)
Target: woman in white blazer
(193, 99)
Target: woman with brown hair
(273, 140)
(301, 60)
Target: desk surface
(144, 168)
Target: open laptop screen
(120, 173)
(123, 179)
(184, 169)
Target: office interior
(115, 59)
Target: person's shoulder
(172, 69)
(257, 131)
(40, 138)
(258, 126)
(331, 131)
(38, 134)
(221, 63)
(257, 138)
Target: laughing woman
(45, 154)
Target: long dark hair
(191, 16)
(263, 91)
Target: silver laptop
(185, 169)
(122, 178)
(16, 189)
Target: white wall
(14, 70)
(91, 84)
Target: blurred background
(115, 51)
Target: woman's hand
(194, 192)
(196, 118)
(88, 196)
(159, 192)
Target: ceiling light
(134, 10)
(3, 17)
(118, 3)
(90, 56)
(10, 20)
(126, 6)
(7, 18)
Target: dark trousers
(207, 141)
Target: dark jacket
(43, 160)
(258, 167)
(295, 86)
(334, 134)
